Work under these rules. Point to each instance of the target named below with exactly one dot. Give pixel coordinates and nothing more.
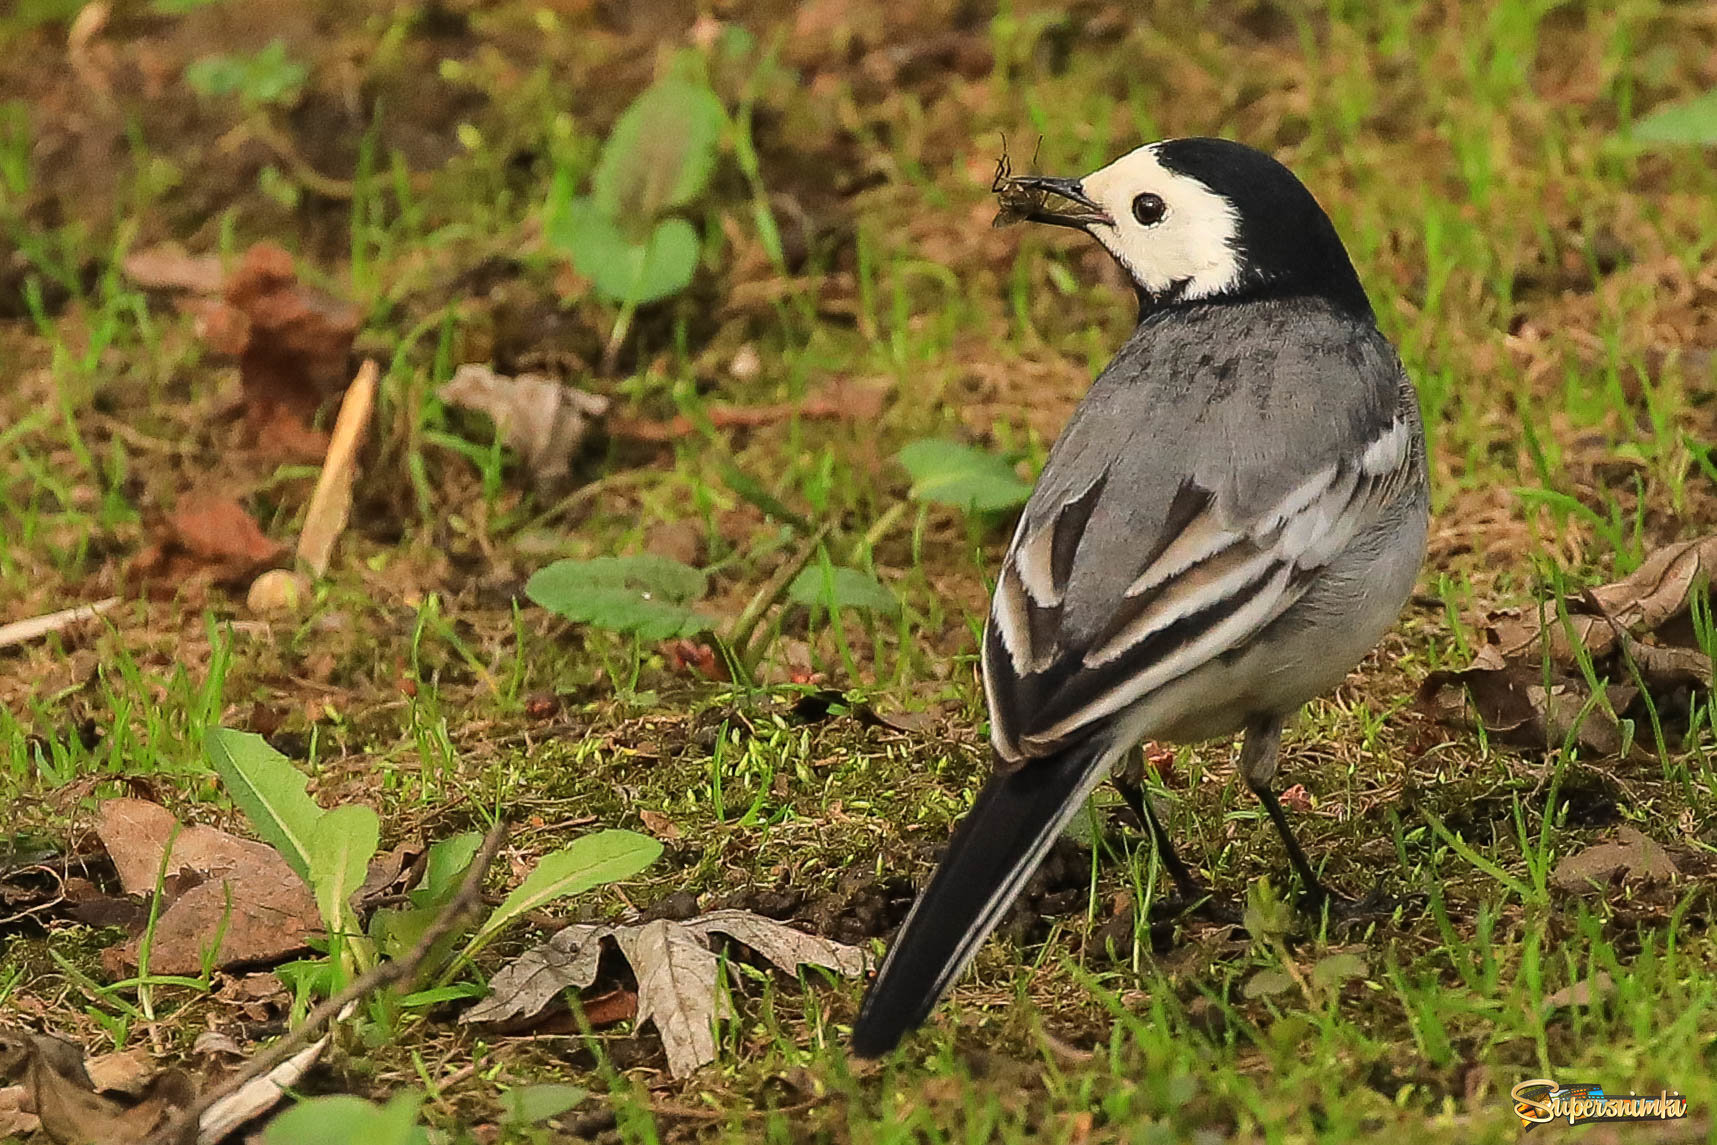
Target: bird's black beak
(1029, 197)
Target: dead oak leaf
(677, 973)
(219, 888)
(1630, 854)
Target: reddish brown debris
(294, 347)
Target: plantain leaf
(1691, 123)
(948, 473)
(342, 843)
(270, 792)
(840, 587)
(591, 861)
(340, 1119)
(661, 152)
(624, 269)
(645, 595)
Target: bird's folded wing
(1086, 620)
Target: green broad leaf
(444, 868)
(1691, 123)
(268, 77)
(645, 595)
(592, 861)
(270, 792)
(341, 1119)
(1267, 982)
(1332, 970)
(840, 587)
(342, 842)
(530, 1104)
(622, 268)
(397, 930)
(661, 152)
(948, 473)
(1267, 915)
(310, 978)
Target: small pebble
(278, 590)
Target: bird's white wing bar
(1272, 597)
(1212, 586)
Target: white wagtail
(1232, 518)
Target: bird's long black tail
(993, 852)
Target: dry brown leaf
(660, 825)
(392, 871)
(1630, 855)
(676, 968)
(218, 886)
(207, 537)
(678, 990)
(1582, 993)
(217, 530)
(547, 422)
(1638, 635)
(618, 1005)
(168, 267)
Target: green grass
(1548, 285)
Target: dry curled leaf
(676, 969)
(65, 1099)
(1526, 686)
(167, 267)
(293, 344)
(547, 422)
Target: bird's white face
(1166, 227)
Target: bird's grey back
(1239, 402)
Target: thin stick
(331, 503)
(35, 627)
(380, 978)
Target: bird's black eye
(1149, 209)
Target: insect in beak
(1027, 198)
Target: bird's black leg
(1126, 781)
(1258, 768)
